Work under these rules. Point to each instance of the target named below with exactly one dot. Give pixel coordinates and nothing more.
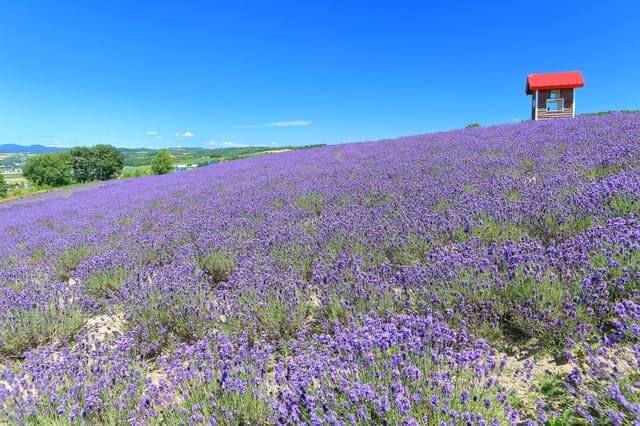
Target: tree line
(84, 164)
(78, 165)
(3, 187)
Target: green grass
(628, 260)
(17, 193)
(14, 179)
(38, 326)
(278, 203)
(295, 256)
(171, 318)
(514, 195)
(551, 226)
(492, 231)
(104, 283)
(528, 165)
(372, 200)
(280, 320)
(411, 252)
(218, 265)
(602, 171)
(441, 206)
(312, 202)
(521, 304)
(123, 221)
(543, 298)
(136, 171)
(335, 246)
(37, 255)
(624, 204)
(160, 256)
(554, 391)
(70, 260)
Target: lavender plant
(484, 276)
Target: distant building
(11, 171)
(184, 167)
(553, 94)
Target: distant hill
(27, 149)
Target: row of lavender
(356, 284)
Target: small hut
(553, 94)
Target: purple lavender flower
(344, 284)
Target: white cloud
(294, 123)
(291, 123)
(151, 133)
(225, 143)
(186, 134)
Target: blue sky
(277, 73)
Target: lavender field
(480, 276)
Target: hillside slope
(11, 148)
(417, 280)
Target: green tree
(3, 187)
(108, 162)
(161, 163)
(83, 163)
(49, 169)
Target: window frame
(558, 100)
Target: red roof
(554, 80)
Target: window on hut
(555, 102)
